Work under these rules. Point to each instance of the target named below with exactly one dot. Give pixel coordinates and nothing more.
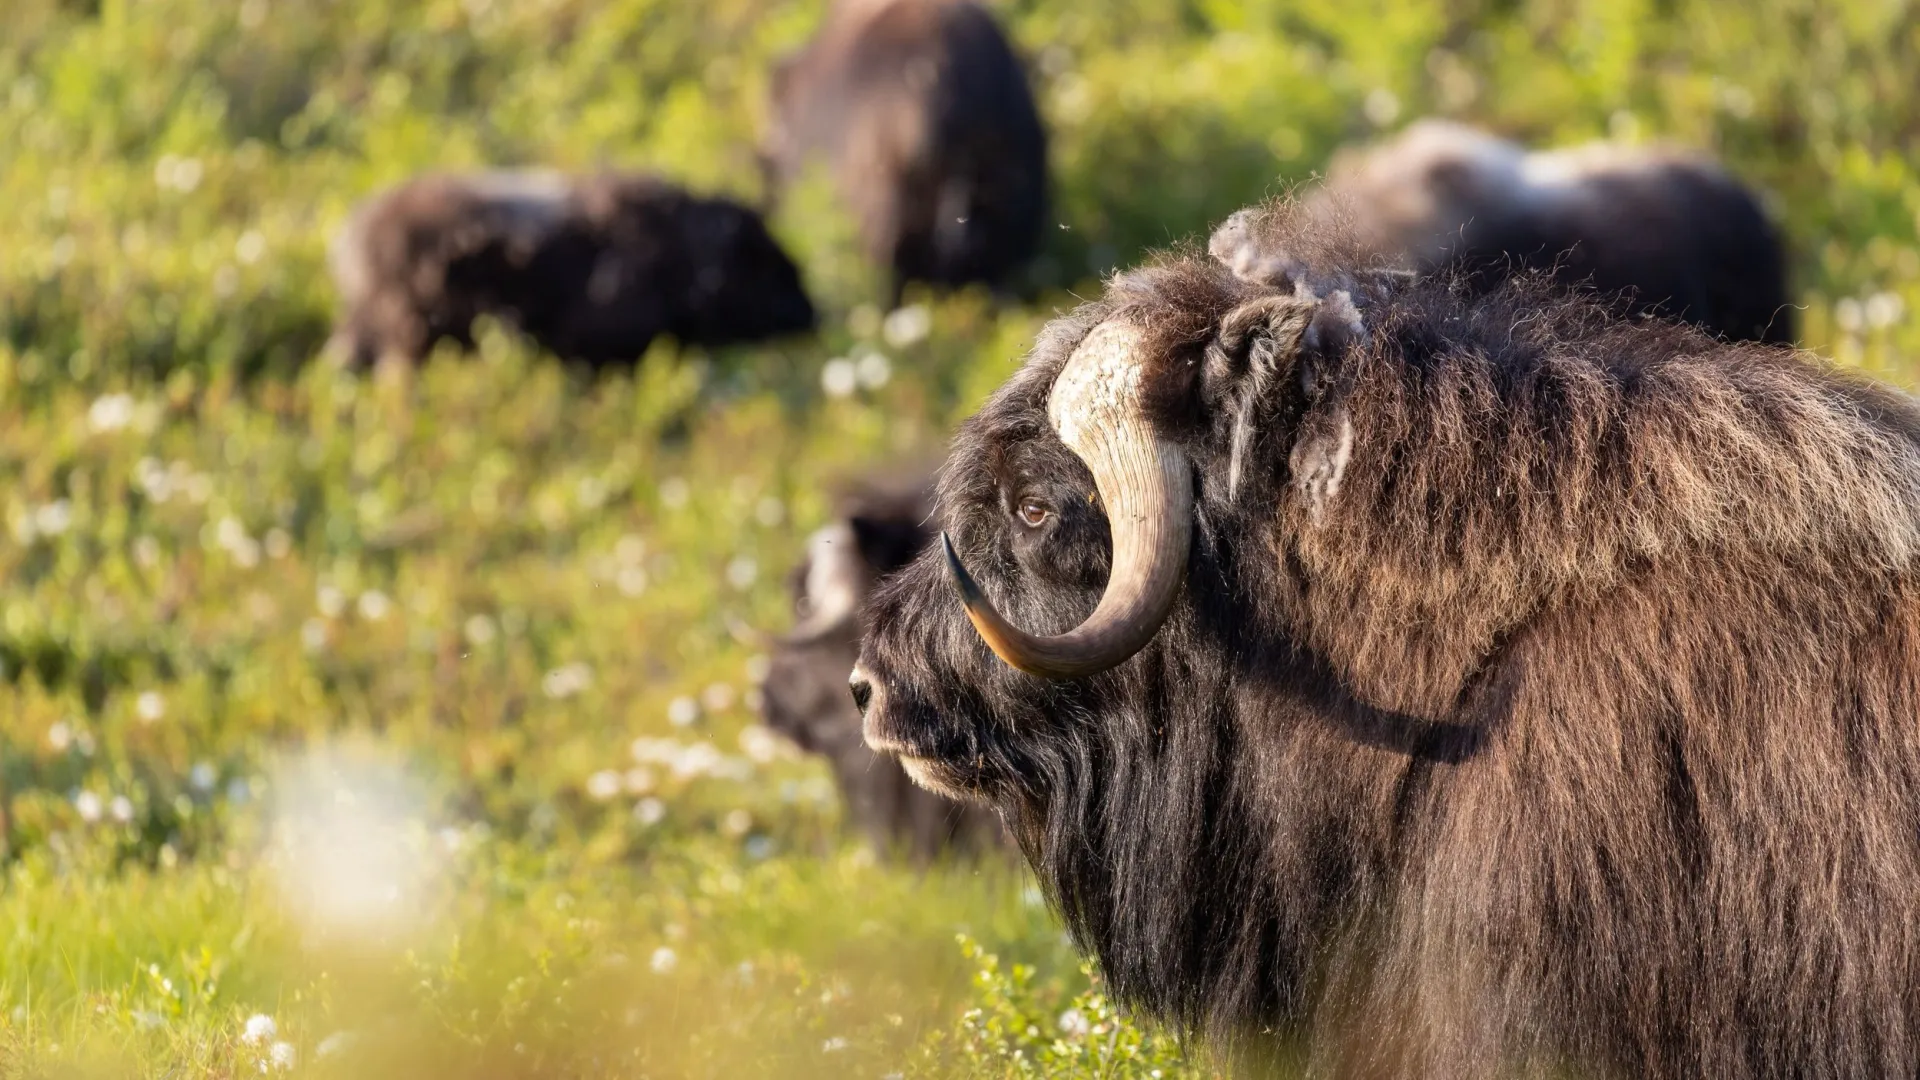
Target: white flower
(742, 571)
(683, 711)
(664, 960)
(603, 785)
(833, 1045)
(283, 1056)
(649, 811)
(374, 605)
(110, 412)
(150, 706)
(1883, 310)
(565, 682)
(88, 805)
(674, 493)
(759, 666)
(479, 629)
(631, 581)
(203, 776)
(873, 370)
(717, 697)
(178, 173)
(839, 378)
(250, 247)
(260, 1028)
(759, 743)
(769, 511)
(906, 326)
(1849, 314)
(59, 736)
(121, 808)
(1074, 1024)
(330, 601)
(313, 635)
(53, 518)
(736, 823)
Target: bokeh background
(358, 725)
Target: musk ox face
(743, 286)
(1071, 575)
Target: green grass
(319, 694)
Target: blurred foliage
(219, 560)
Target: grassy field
(357, 725)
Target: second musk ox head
(880, 524)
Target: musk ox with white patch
(1441, 686)
(923, 110)
(592, 267)
(880, 525)
(1662, 230)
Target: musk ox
(1666, 230)
(1458, 686)
(592, 267)
(924, 111)
(881, 525)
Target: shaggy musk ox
(1666, 230)
(881, 525)
(591, 267)
(925, 113)
(1459, 686)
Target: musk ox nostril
(862, 691)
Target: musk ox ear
(1256, 343)
(1324, 443)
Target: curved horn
(1147, 486)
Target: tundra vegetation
(355, 723)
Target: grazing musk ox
(592, 267)
(880, 526)
(1462, 687)
(924, 111)
(1666, 230)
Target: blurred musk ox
(1446, 686)
(592, 267)
(1665, 230)
(881, 524)
(925, 114)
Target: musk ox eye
(1033, 513)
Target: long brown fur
(1576, 734)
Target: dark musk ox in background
(592, 267)
(1444, 686)
(925, 114)
(881, 524)
(1667, 231)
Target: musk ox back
(1668, 231)
(1458, 686)
(880, 526)
(925, 113)
(592, 267)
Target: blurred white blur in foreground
(350, 845)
